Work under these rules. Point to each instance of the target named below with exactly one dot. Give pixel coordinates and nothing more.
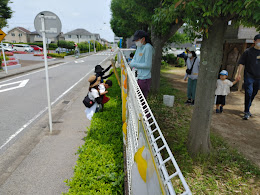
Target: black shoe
(217, 111)
(246, 116)
(221, 109)
(193, 102)
(188, 101)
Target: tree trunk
(158, 43)
(211, 59)
(156, 67)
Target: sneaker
(193, 102)
(221, 109)
(246, 116)
(188, 101)
(217, 111)
(249, 113)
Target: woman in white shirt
(193, 63)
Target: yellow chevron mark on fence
(141, 163)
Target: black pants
(221, 99)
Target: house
(97, 37)
(104, 42)
(35, 37)
(80, 35)
(18, 35)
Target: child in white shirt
(223, 89)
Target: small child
(103, 90)
(223, 89)
(131, 56)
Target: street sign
(48, 25)
(2, 35)
(52, 24)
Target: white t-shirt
(102, 88)
(93, 94)
(223, 87)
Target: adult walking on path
(143, 60)
(192, 73)
(251, 60)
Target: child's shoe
(221, 109)
(217, 111)
(188, 101)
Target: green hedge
(56, 55)
(100, 166)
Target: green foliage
(170, 58)
(66, 44)
(56, 55)
(5, 12)
(225, 171)
(99, 168)
(180, 62)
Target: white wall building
(80, 35)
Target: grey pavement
(39, 162)
(25, 69)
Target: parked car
(61, 50)
(22, 47)
(36, 48)
(6, 49)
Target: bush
(180, 62)
(170, 58)
(99, 168)
(56, 55)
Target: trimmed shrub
(99, 169)
(56, 55)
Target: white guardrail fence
(147, 153)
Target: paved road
(21, 107)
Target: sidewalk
(39, 162)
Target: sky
(92, 15)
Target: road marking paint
(44, 110)
(21, 84)
(79, 61)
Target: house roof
(24, 30)
(104, 40)
(79, 31)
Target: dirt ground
(244, 135)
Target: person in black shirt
(100, 72)
(251, 60)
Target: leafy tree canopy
(5, 12)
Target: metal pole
(88, 46)
(3, 51)
(46, 73)
(94, 46)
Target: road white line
(44, 110)
(21, 84)
(33, 72)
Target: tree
(5, 12)
(150, 16)
(210, 18)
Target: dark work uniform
(251, 60)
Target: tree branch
(174, 28)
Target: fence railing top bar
(141, 101)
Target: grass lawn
(224, 171)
